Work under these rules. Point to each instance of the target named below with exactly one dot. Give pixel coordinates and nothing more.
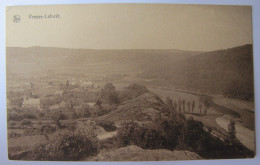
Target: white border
(256, 44)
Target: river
(243, 134)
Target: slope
(228, 72)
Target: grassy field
(20, 145)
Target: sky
(131, 26)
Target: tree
(169, 102)
(205, 110)
(31, 85)
(191, 133)
(41, 115)
(192, 106)
(98, 103)
(206, 106)
(175, 105)
(67, 84)
(183, 104)
(200, 107)
(179, 105)
(109, 94)
(188, 105)
(231, 130)
(17, 101)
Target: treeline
(240, 89)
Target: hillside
(44, 57)
(145, 108)
(24, 63)
(66, 56)
(228, 72)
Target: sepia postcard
(129, 82)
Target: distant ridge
(214, 71)
(228, 72)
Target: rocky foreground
(134, 153)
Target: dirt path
(106, 135)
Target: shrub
(59, 115)
(196, 139)
(47, 129)
(182, 135)
(11, 124)
(107, 125)
(108, 144)
(13, 134)
(26, 122)
(15, 116)
(31, 131)
(17, 101)
(191, 133)
(98, 110)
(41, 115)
(62, 116)
(132, 91)
(232, 130)
(20, 116)
(109, 94)
(125, 134)
(30, 116)
(83, 112)
(43, 130)
(67, 145)
(147, 138)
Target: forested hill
(68, 56)
(228, 72)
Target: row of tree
(180, 106)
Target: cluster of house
(72, 94)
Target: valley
(152, 104)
